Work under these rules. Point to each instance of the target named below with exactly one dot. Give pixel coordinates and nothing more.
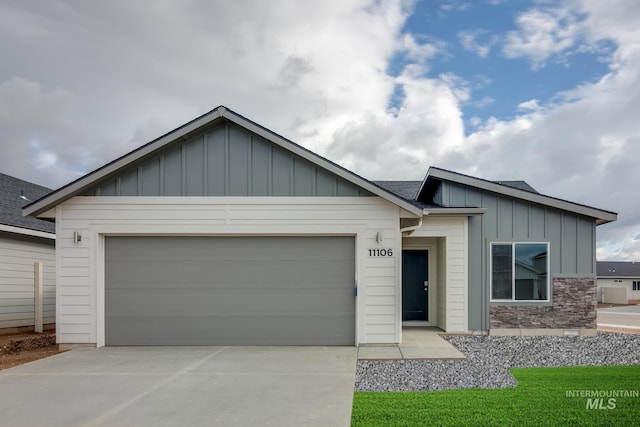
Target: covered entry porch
(434, 283)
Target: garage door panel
(233, 330)
(226, 291)
(231, 301)
(236, 275)
(232, 249)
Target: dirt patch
(27, 347)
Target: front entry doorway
(415, 285)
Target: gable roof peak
(218, 115)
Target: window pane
(501, 268)
(531, 271)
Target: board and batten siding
(80, 270)
(226, 160)
(17, 258)
(452, 298)
(571, 239)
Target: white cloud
(545, 32)
(474, 122)
(531, 105)
(41, 139)
(481, 81)
(125, 67)
(44, 160)
(386, 146)
(483, 102)
(453, 5)
(469, 41)
(416, 51)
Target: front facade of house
(222, 232)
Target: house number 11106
(380, 252)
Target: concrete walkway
(417, 343)
(182, 386)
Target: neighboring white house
(619, 274)
(24, 241)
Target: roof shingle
(617, 269)
(14, 195)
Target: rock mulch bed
(22, 343)
(26, 347)
(489, 359)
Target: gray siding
(226, 161)
(571, 238)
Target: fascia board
(601, 216)
(27, 232)
(455, 211)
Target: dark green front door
(415, 272)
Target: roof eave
(601, 216)
(26, 231)
(454, 211)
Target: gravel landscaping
(489, 359)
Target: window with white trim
(519, 272)
(636, 285)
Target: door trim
(432, 312)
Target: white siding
(442, 282)
(17, 258)
(81, 265)
(619, 282)
(452, 297)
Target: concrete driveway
(182, 386)
(626, 316)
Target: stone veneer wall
(574, 306)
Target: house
(223, 232)
(619, 274)
(24, 241)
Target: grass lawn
(539, 399)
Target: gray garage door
(229, 291)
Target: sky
(543, 91)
